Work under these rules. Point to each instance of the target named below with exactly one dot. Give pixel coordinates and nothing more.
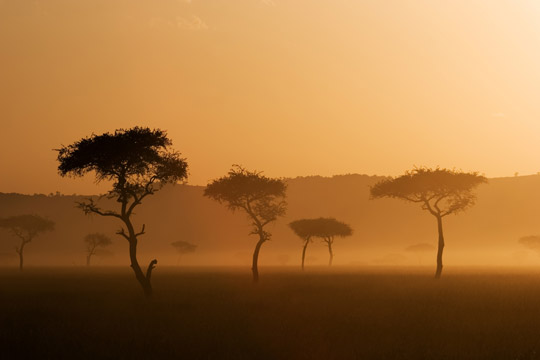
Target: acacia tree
(183, 247)
(26, 228)
(329, 229)
(93, 242)
(304, 228)
(441, 192)
(138, 162)
(260, 197)
(325, 228)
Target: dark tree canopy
(137, 160)
(27, 226)
(321, 227)
(440, 191)
(184, 247)
(261, 197)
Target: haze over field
(487, 234)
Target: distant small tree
(260, 197)
(420, 250)
(531, 242)
(138, 162)
(440, 191)
(304, 229)
(93, 242)
(26, 228)
(329, 229)
(325, 228)
(183, 247)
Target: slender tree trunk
(21, 255)
(330, 252)
(304, 253)
(254, 267)
(88, 260)
(440, 248)
(21, 260)
(141, 278)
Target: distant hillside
(507, 209)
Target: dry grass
(214, 314)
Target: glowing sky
(291, 87)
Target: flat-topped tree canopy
(440, 191)
(251, 191)
(135, 159)
(27, 225)
(320, 227)
(330, 227)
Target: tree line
(140, 161)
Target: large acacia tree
(138, 162)
(325, 228)
(260, 197)
(441, 192)
(26, 228)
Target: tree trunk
(254, 267)
(440, 248)
(21, 256)
(88, 259)
(304, 253)
(330, 252)
(145, 283)
(21, 260)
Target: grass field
(220, 314)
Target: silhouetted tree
(183, 247)
(440, 191)
(93, 242)
(329, 228)
(420, 249)
(26, 228)
(531, 242)
(260, 197)
(304, 228)
(325, 228)
(139, 162)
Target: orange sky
(290, 87)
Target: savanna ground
(220, 314)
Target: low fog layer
(385, 231)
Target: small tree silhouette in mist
(183, 247)
(531, 242)
(304, 229)
(324, 228)
(138, 162)
(440, 191)
(260, 197)
(26, 228)
(329, 229)
(420, 250)
(93, 242)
